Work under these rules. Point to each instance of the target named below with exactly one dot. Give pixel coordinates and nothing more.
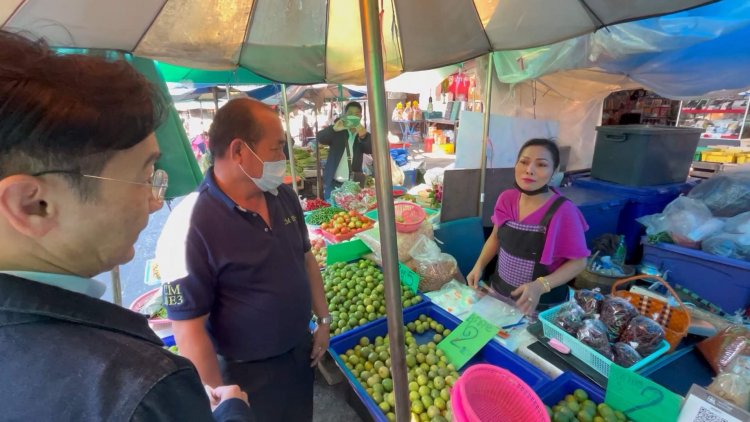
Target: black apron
(518, 261)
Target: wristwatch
(326, 320)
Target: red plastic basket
(487, 393)
(409, 216)
(155, 323)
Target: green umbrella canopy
(177, 157)
(239, 76)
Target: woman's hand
(529, 296)
(474, 276)
(361, 131)
(339, 125)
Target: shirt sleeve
(192, 296)
(566, 235)
(181, 397)
(504, 207)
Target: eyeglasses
(159, 180)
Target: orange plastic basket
(409, 216)
(487, 393)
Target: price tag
(467, 339)
(702, 405)
(346, 251)
(640, 399)
(408, 277)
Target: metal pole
(216, 97)
(116, 285)
(485, 133)
(318, 177)
(289, 141)
(372, 49)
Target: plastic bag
(434, 267)
(570, 317)
(644, 334)
(589, 300)
(457, 298)
(725, 346)
(625, 355)
(680, 217)
(728, 245)
(733, 384)
(739, 224)
(726, 195)
(404, 241)
(616, 313)
(593, 333)
(397, 175)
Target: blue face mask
(272, 177)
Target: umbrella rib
(325, 42)
(396, 34)
(250, 18)
(593, 16)
(479, 19)
(156, 16)
(15, 12)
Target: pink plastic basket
(409, 216)
(155, 323)
(487, 393)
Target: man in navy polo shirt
(242, 309)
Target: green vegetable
(322, 215)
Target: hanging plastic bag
(434, 267)
(733, 384)
(404, 241)
(726, 195)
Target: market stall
(476, 41)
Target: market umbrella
(321, 38)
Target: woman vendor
(538, 235)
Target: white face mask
(272, 177)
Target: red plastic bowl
(155, 323)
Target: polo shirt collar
(209, 184)
(25, 300)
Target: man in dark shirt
(77, 184)
(348, 141)
(242, 303)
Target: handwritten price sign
(467, 339)
(641, 400)
(408, 277)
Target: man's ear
(234, 151)
(24, 205)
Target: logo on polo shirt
(172, 295)
(290, 220)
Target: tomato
(353, 213)
(324, 226)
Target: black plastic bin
(639, 155)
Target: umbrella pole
(372, 47)
(289, 141)
(485, 133)
(116, 285)
(317, 158)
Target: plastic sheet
(687, 220)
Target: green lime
(580, 395)
(387, 385)
(385, 407)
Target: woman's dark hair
(546, 143)
(353, 104)
(236, 119)
(69, 112)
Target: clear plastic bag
(404, 241)
(739, 224)
(570, 317)
(589, 300)
(644, 334)
(616, 313)
(625, 355)
(733, 384)
(434, 267)
(686, 219)
(726, 195)
(593, 333)
(728, 245)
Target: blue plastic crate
(600, 209)
(641, 201)
(492, 353)
(168, 341)
(565, 384)
(725, 282)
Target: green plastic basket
(585, 353)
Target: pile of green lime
(429, 373)
(577, 407)
(355, 294)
